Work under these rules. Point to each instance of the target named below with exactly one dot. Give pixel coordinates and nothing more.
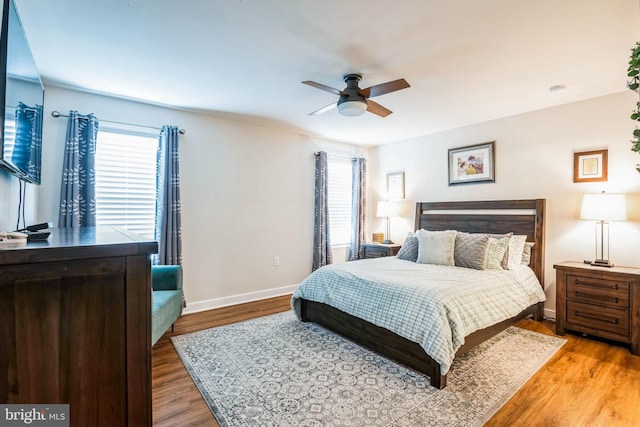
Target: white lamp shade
(388, 209)
(604, 207)
(352, 108)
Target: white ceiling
(467, 61)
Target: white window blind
(9, 132)
(126, 181)
(339, 200)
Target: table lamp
(387, 210)
(603, 208)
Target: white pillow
(495, 252)
(436, 247)
(516, 248)
(526, 254)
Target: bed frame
(497, 216)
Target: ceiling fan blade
(375, 108)
(324, 109)
(383, 88)
(323, 87)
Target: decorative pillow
(436, 247)
(409, 249)
(505, 259)
(471, 250)
(496, 251)
(526, 253)
(516, 248)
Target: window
(126, 180)
(339, 200)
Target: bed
(520, 217)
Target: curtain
(27, 146)
(321, 241)
(358, 207)
(168, 210)
(78, 193)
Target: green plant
(634, 84)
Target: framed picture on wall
(395, 186)
(472, 164)
(590, 166)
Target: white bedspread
(433, 305)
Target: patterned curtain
(168, 210)
(28, 140)
(358, 206)
(78, 193)
(321, 241)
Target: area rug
(278, 371)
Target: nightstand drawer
(377, 250)
(596, 317)
(372, 252)
(611, 293)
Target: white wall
(9, 200)
(534, 159)
(247, 195)
(247, 190)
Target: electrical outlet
(276, 261)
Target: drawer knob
(587, 316)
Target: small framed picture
(473, 163)
(590, 166)
(395, 186)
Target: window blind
(126, 181)
(9, 132)
(339, 200)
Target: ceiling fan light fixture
(352, 108)
(354, 101)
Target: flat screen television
(22, 95)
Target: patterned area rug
(278, 371)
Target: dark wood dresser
(600, 301)
(75, 312)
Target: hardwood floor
(586, 383)
(176, 399)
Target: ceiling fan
(354, 101)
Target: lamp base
(602, 263)
(387, 242)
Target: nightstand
(601, 301)
(377, 250)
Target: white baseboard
(197, 306)
(549, 313)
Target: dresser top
(78, 243)
(582, 265)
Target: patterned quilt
(433, 305)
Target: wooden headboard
(493, 216)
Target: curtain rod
(57, 114)
(335, 156)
